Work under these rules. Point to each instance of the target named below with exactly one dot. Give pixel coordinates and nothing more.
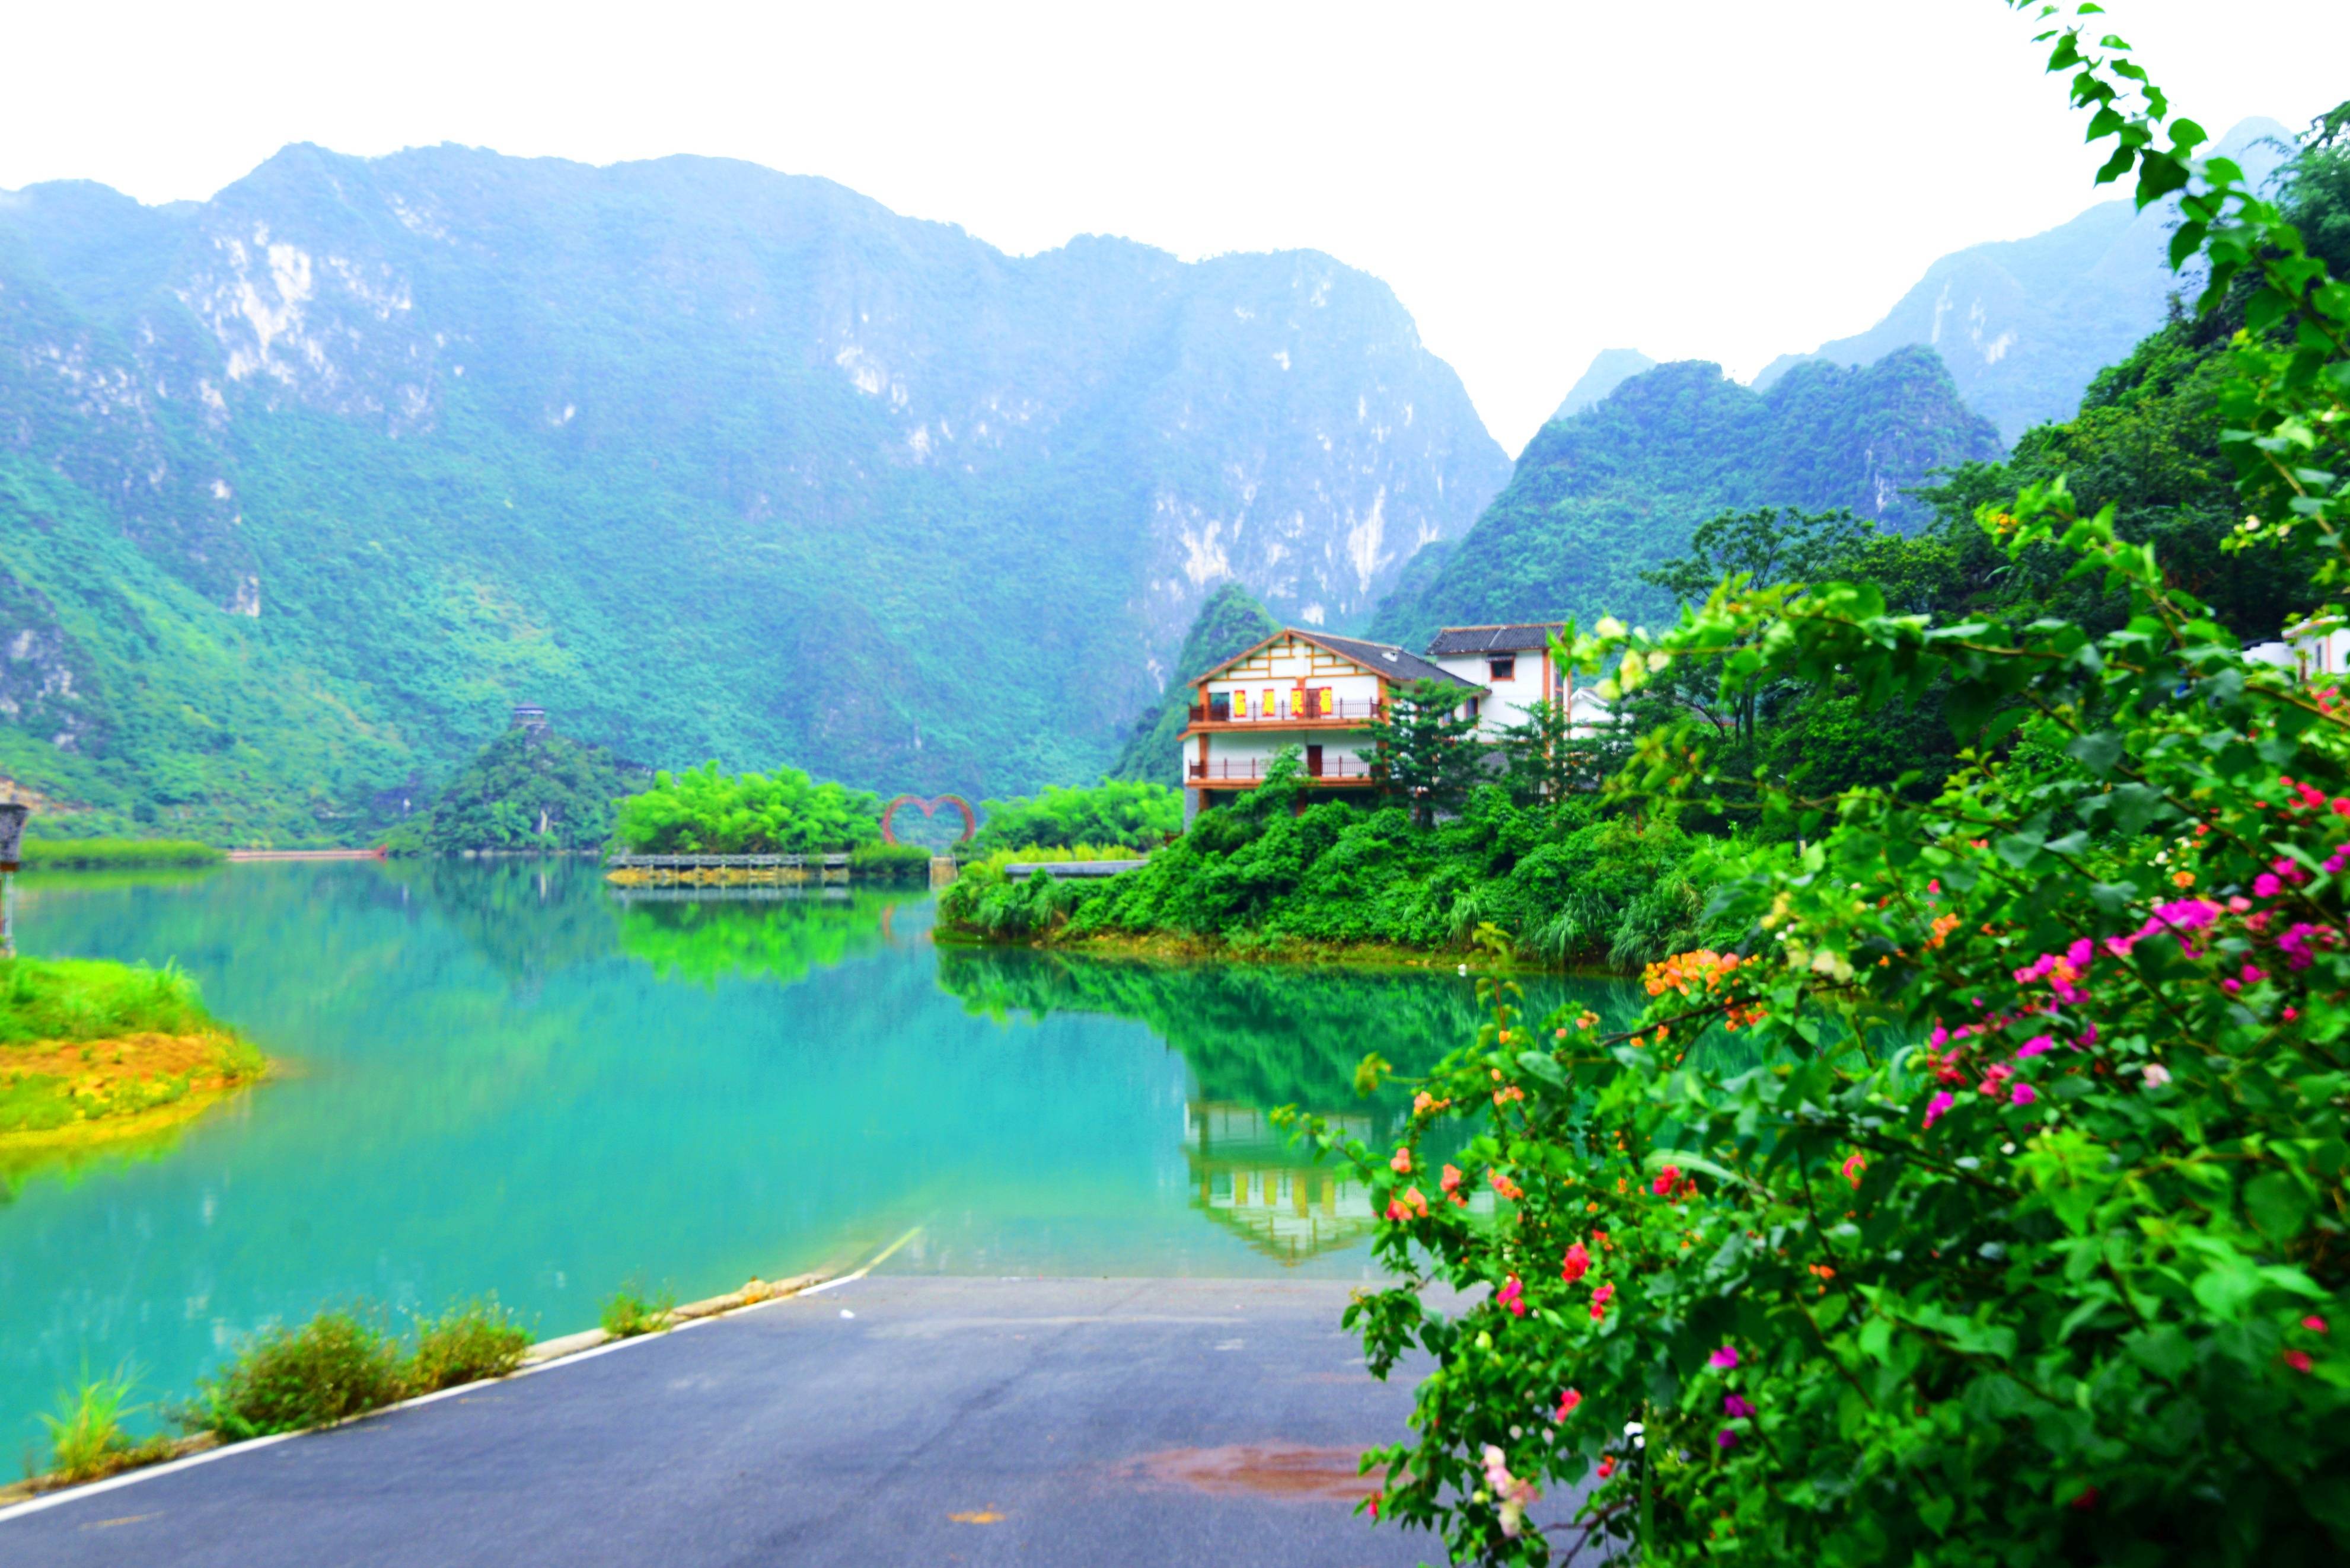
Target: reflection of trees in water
(1262, 1034)
(530, 916)
(781, 939)
(1259, 1037)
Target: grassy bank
(1272, 877)
(105, 854)
(92, 1050)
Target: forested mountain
(1609, 369)
(1605, 494)
(302, 487)
(2025, 325)
(1230, 621)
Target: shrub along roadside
(342, 1364)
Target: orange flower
(1505, 1187)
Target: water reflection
(505, 1077)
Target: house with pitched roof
(1321, 694)
(1513, 663)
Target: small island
(93, 1052)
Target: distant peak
(1611, 369)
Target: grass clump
(627, 1314)
(96, 853)
(469, 1342)
(90, 999)
(87, 1436)
(335, 1367)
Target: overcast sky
(1536, 181)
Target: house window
(1501, 666)
(1472, 707)
(1220, 706)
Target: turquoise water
(508, 1077)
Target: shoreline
(207, 1068)
(1171, 948)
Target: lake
(506, 1077)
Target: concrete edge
(202, 1448)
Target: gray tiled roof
(1454, 641)
(1389, 659)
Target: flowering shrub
(1986, 1203)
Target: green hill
(303, 486)
(1607, 494)
(1230, 620)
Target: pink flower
(2079, 954)
(1735, 1407)
(1450, 1181)
(1995, 1077)
(1576, 1264)
(1512, 1295)
(1727, 1438)
(1567, 1404)
(2314, 1324)
(2023, 1094)
(1937, 1106)
(2265, 886)
(1854, 1164)
(2297, 1359)
(2035, 1046)
(1401, 1163)
(1599, 1302)
(1723, 1360)
(1665, 1180)
(2155, 1074)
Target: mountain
(301, 487)
(1611, 369)
(1605, 495)
(2024, 325)
(1230, 620)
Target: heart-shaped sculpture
(970, 817)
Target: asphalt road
(1054, 1424)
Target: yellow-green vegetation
(628, 1313)
(105, 854)
(88, 1438)
(343, 1364)
(90, 1049)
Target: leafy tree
(1425, 747)
(1130, 813)
(704, 812)
(1983, 1199)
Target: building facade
(1322, 693)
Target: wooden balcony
(1247, 774)
(1342, 715)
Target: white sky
(1536, 181)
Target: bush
(1572, 885)
(627, 1312)
(467, 1343)
(285, 1380)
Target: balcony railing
(1252, 770)
(1359, 711)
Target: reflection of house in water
(1248, 1177)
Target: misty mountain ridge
(710, 459)
(2024, 325)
